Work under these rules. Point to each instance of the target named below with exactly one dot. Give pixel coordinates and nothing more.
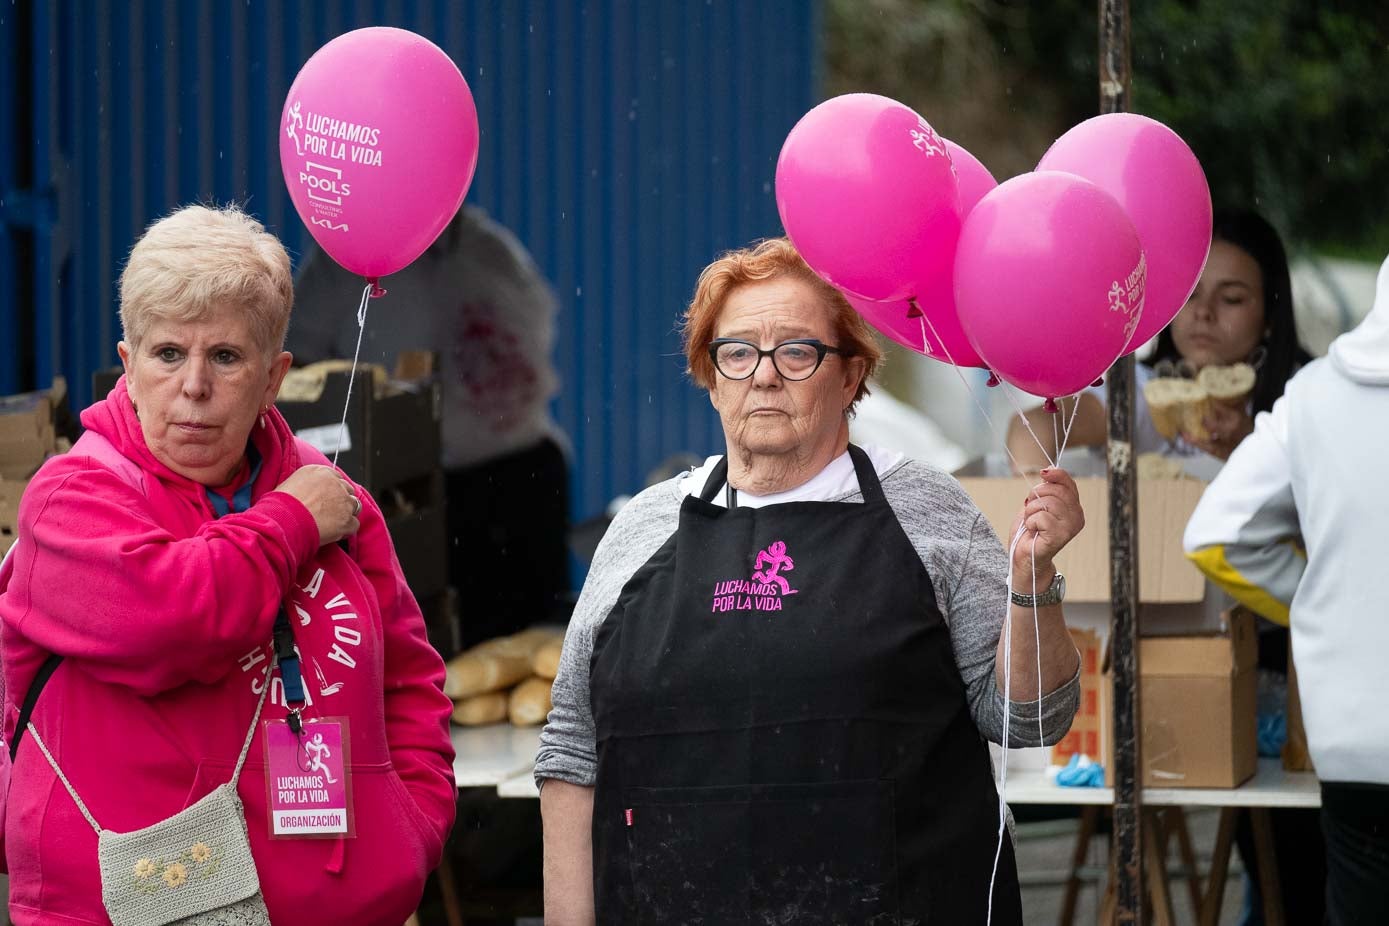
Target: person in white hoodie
(1293, 528)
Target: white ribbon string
(352, 376)
(926, 320)
(1008, 699)
(1059, 442)
(1017, 410)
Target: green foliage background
(1286, 102)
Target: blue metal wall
(625, 142)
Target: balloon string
(1008, 612)
(925, 320)
(1012, 400)
(1070, 422)
(352, 376)
(1007, 717)
(1007, 697)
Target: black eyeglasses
(794, 360)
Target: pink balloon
(896, 320)
(1049, 281)
(975, 181)
(379, 144)
(933, 329)
(1156, 178)
(867, 194)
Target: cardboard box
(28, 429)
(1165, 576)
(10, 492)
(1296, 756)
(27, 437)
(1086, 734)
(1197, 706)
(388, 438)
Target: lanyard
(291, 675)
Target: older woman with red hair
(776, 688)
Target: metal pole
(1123, 542)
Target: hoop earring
(1257, 357)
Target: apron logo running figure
(764, 591)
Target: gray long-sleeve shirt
(963, 556)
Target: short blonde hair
(767, 260)
(198, 258)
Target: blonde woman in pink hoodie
(191, 586)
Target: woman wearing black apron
(773, 692)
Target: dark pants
(1355, 822)
(1299, 857)
(508, 521)
(1299, 861)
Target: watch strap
(1052, 595)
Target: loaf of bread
(481, 670)
(545, 661)
(1227, 384)
(481, 709)
(524, 643)
(494, 664)
(530, 702)
(1176, 406)
(1157, 466)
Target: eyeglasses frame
(821, 350)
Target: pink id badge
(308, 780)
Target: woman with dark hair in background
(1240, 311)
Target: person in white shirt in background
(1292, 527)
(478, 299)
(882, 420)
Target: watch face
(1060, 586)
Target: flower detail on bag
(175, 874)
(196, 863)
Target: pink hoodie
(163, 615)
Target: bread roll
(494, 664)
(530, 702)
(1157, 466)
(1176, 406)
(521, 644)
(1227, 384)
(545, 661)
(479, 710)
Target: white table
(1271, 786)
(484, 757)
(503, 756)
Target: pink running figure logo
(774, 557)
(764, 591)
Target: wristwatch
(1055, 594)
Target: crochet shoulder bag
(192, 868)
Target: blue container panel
(626, 143)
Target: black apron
(782, 732)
